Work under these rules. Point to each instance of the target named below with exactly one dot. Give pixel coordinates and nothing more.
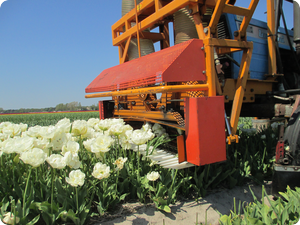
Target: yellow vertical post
(216, 15)
(158, 5)
(240, 89)
(120, 54)
(246, 20)
(137, 29)
(271, 37)
(210, 67)
(199, 26)
(125, 51)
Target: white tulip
(42, 143)
(158, 130)
(72, 160)
(34, 157)
(9, 218)
(4, 124)
(101, 171)
(56, 161)
(120, 162)
(79, 127)
(102, 143)
(48, 131)
(89, 134)
(92, 122)
(87, 144)
(70, 146)
(23, 127)
(102, 125)
(59, 139)
(153, 176)
(18, 145)
(118, 129)
(12, 130)
(125, 142)
(64, 124)
(146, 127)
(76, 178)
(140, 137)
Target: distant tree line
(72, 106)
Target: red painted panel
(101, 110)
(179, 63)
(181, 149)
(205, 130)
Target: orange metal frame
(159, 10)
(154, 13)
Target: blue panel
(257, 33)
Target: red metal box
(205, 130)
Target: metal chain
(178, 118)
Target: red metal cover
(179, 63)
(205, 130)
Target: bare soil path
(184, 212)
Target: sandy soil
(184, 212)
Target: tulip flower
(101, 143)
(56, 161)
(79, 127)
(76, 178)
(120, 162)
(101, 171)
(34, 157)
(9, 218)
(153, 176)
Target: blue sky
(51, 50)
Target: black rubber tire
(282, 179)
(292, 136)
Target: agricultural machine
(223, 65)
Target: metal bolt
(204, 72)
(133, 103)
(205, 30)
(236, 33)
(202, 48)
(190, 11)
(226, 97)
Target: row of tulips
(74, 171)
(57, 159)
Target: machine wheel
(288, 175)
(292, 136)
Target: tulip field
(47, 118)
(73, 170)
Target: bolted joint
(162, 107)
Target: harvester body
(202, 84)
